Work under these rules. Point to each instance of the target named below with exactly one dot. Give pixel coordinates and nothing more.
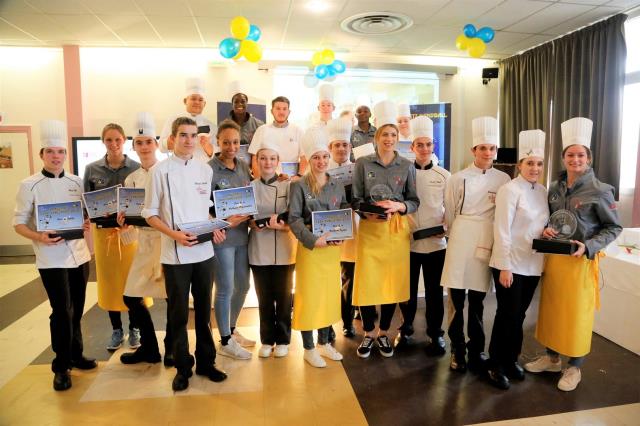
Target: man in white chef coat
(469, 212)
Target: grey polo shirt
(399, 175)
(360, 137)
(302, 202)
(225, 178)
(248, 128)
(98, 175)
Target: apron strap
(114, 234)
(596, 276)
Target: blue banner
(440, 114)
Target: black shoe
(437, 347)
(498, 378)
(181, 381)
(401, 341)
(349, 331)
(384, 346)
(139, 356)
(364, 350)
(515, 371)
(61, 381)
(212, 373)
(169, 361)
(458, 363)
(478, 363)
(83, 363)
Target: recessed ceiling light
(317, 6)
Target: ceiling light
(317, 6)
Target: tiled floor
(408, 389)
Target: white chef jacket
(201, 120)
(469, 205)
(472, 192)
(430, 185)
(43, 188)
(521, 214)
(334, 165)
(288, 139)
(270, 246)
(179, 191)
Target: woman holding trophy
(384, 191)
(584, 214)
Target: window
(631, 106)
(354, 87)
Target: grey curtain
(580, 74)
(525, 94)
(588, 81)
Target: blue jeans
(232, 285)
(573, 361)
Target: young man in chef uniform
(469, 211)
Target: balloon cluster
(325, 66)
(474, 40)
(244, 41)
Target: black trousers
(142, 316)
(475, 327)
(273, 288)
(116, 320)
(431, 265)
(179, 279)
(66, 289)
(346, 275)
(368, 314)
(513, 302)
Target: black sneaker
(384, 346)
(458, 362)
(364, 350)
(61, 381)
(139, 356)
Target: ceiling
(290, 25)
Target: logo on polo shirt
(223, 184)
(371, 175)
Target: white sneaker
(544, 363)
(570, 379)
(233, 350)
(265, 351)
(313, 357)
(329, 351)
(281, 351)
(243, 341)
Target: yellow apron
(348, 247)
(568, 297)
(316, 302)
(113, 260)
(382, 262)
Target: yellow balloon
(462, 42)
(251, 50)
(476, 48)
(316, 59)
(240, 27)
(328, 56)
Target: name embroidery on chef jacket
(492, 197)
(202, 188)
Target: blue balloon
(469, 30)
(332, 71)
(310, 80)
(229, 47)
(322, 71)
(254, 33)
(486, 34)
(339, 66)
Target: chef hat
(194, 86)
(269, 144)
(485, 131)
(385, 112)
(325, 93)
(315, 139)
(145, 125)
(363, 150)
(422, 127)
(531, 144)
(576, 131)
(404, 110)
(53, 134)
(235, 87)
(339, 129)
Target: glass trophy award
(379, 192)
(565, 224)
